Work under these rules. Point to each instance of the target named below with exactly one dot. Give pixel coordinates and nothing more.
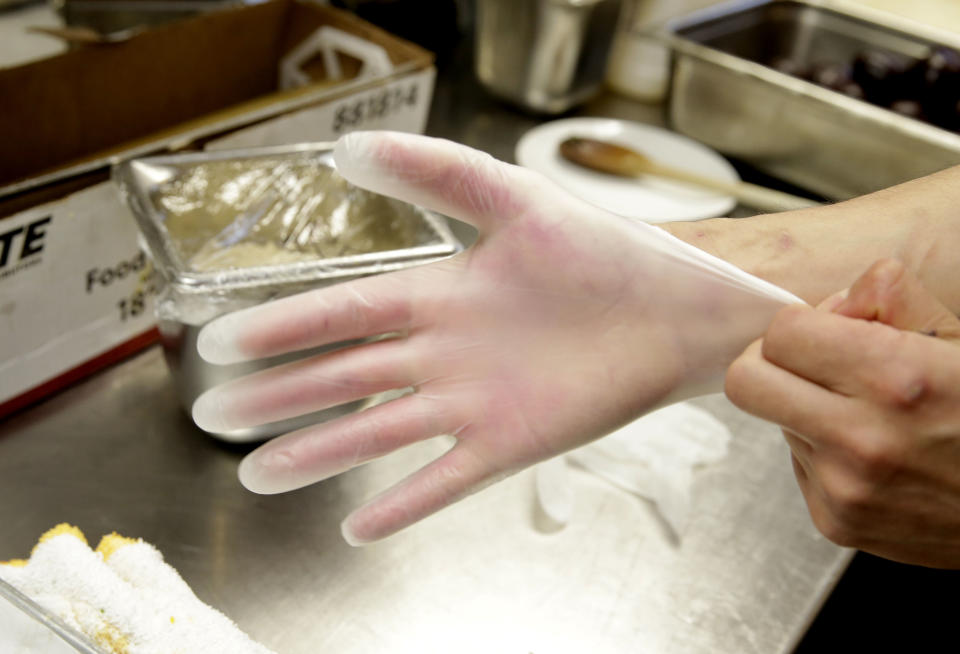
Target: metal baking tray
(143, 182)
(725, 95)
(198, 212)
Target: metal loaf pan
(724, 95)
(194, 209)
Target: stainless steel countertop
(116, 453)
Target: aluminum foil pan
(232, 229)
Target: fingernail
(217, 341)
(351, 146)
(834, 301)
(208, 412)
(256, 476)
(248, 473)
(349, 535)
(280, 467)
(888, 271)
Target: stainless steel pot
(545, 56)
(236, 228)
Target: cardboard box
(75, 290)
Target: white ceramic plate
(649, 198)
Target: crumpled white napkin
(653, 457)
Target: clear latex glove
(561, 324)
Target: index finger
(778, 395)
(859, 358)
(839, 353)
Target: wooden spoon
(614, 159)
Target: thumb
(440, 175)
(890, 294)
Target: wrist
(770, 247)
(816, 252)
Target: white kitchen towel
(122, 596)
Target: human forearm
(815, 252)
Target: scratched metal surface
(116, 453)
(487, 575)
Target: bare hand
(867, 390)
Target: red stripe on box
(85, 369)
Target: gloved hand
(559, 325)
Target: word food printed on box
(75, 292)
